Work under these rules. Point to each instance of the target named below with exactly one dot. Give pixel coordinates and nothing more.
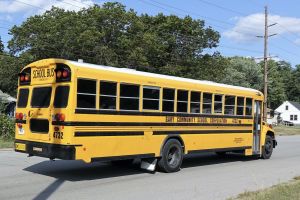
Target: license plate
(20, 146)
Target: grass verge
(283, 191)
(6, 143)
(287, 130)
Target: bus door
(257, 127)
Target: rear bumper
(65, 152)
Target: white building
(289, 111)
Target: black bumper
(64, 152)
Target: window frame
(86, 94)
(32, 93)
(187, 101)
(124, 97)
(67, 103)
(27, 100)
(203, 103)
(230, 105)
(237, 106)
(195, 102)
(168, 100)
(105, 95)
(150, 99)
(251, 114)
(222, 103)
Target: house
(273, 117)
(289, 111)
(9, 104)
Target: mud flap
(149, 164)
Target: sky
(237, 21)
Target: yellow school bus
(79, 111)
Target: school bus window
(23, 98)
(168, 100)
(207, 103)
(86, 93)
(248, 106)
(129, 97)
(182, 101)
(240, 106)
(151, 98)
(229, 105)
(218, 103)
(61, 97)
(195, 102)
(41, 97)
(108, 95)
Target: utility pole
(266, 37)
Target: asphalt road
(201, 177)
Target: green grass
(6, 143)
(283, 191)
(287, 130)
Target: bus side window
(248, 106)
(207, 103)
(195, 102)
(168, 100)
(240, 106)
(182, 101)
(129, 97)
(218, 104)
(229, 105)
(151, 98)
(86, 93)
(108, 95)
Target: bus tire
(171, 157)
(267, 149)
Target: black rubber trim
(52, 151)
(125, 157)
(71, 123)
(220, 149)
(115, 133)
(114, 112)
(199, 132)
(19, 121)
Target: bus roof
(153, 75)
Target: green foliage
(7, 128)
(243, 72)
(1, 46)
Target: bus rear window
(61, 97)
(41, 97)
(23, 98)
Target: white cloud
(247, 28)
(39, 6)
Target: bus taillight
(19, 116)
(63, 73)
(60, 117)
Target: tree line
(113, 35)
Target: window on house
(195, 102)
(182, 101)
(86, 93)
(248, 106)
(218, 103)
(295, 117)
(151, 98)
(207, 103)
(129, 97)
(108, 95)
(286, 107)
(240, 106)
(291, 117)
(229, 105)
(168, 100)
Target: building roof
(296, 104)
(6, 98)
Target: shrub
(7, 127)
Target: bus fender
(177, 137)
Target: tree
(244, 72)
(1, 46)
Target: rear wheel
(267, 148)
(171, 158)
